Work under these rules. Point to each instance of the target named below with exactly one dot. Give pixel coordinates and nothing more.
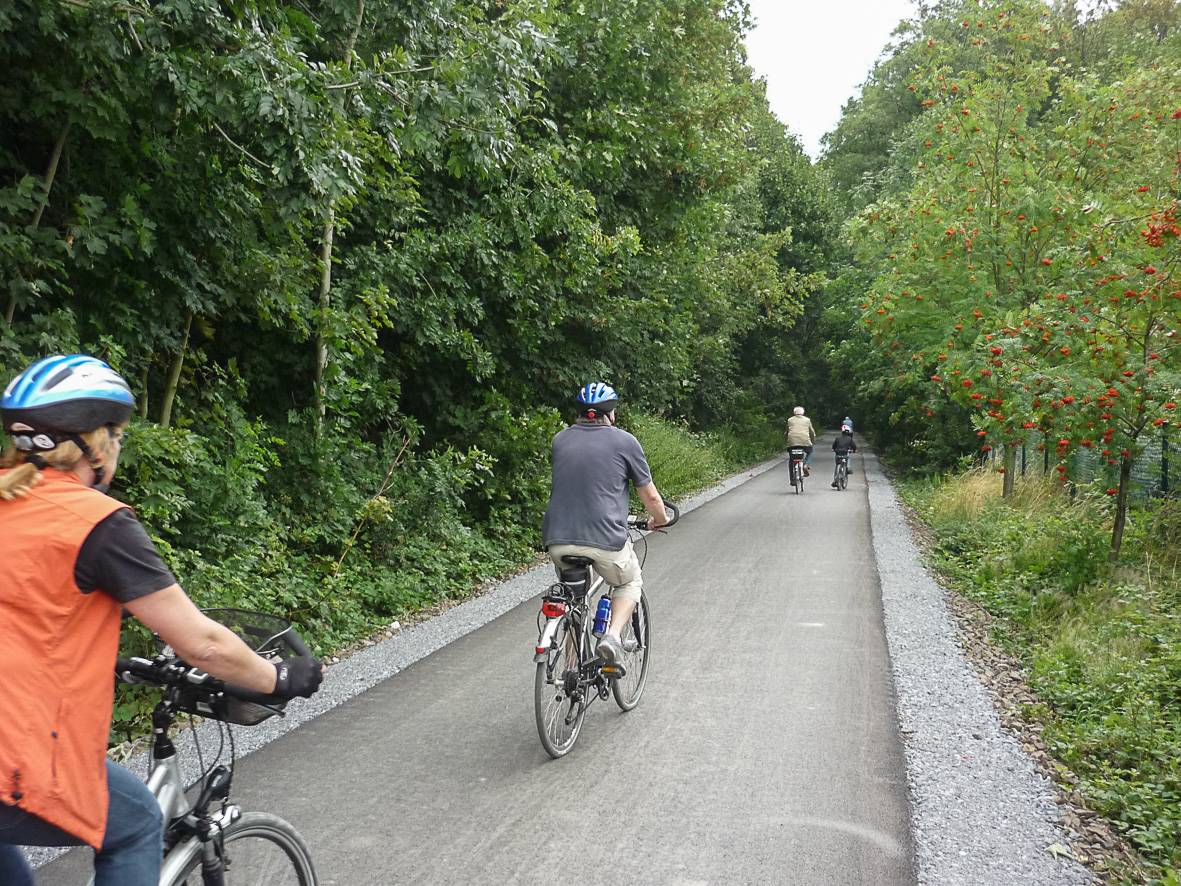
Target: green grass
(684, 461)
(1101, 641)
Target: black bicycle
(795, 460)
(570, 675)
(841, 476)
(209, 841)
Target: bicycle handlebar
(297, 644)
(640, 521)
(173, 672)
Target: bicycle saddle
(582, 562)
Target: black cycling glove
(298, 676)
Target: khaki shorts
(620, 569)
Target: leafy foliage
(1025, 268)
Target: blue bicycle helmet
(58, 398)
(597, 397)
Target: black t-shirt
(119, 559)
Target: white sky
(816, 53)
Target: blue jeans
(132, 845)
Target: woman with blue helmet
(71, 558)
(593, 464)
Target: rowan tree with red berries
(1030, 270)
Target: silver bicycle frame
(551, 626)
(168, 787)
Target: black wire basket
(269, 636)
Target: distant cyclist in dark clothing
(842, 445)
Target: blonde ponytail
(25, 474)
(18, 481)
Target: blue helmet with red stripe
(598, 397)
(61, 396)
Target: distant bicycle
(570, 675)
(796, 467)
(841, 477)
(210, 841)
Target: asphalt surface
(765, 749)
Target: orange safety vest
(57, 658)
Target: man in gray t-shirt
(593, 463)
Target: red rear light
(552, 609)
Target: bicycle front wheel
(259, 850)
(559, 700)
(636, 640)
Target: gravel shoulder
(981, 812)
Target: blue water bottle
(602, 617)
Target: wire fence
(1155, 472)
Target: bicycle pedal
(614, 671)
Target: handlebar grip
(243, 694)
(135, 667)
(297, 643)
(640, 521)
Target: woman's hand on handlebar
(207, 645)
(298, 677)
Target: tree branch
(226, 136)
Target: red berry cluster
(1161, 225)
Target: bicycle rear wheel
(842, 475)
(559, 702)
(636, 639)
(799, 478)
(260, 850)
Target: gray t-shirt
(592, 465)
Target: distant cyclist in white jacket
(801, 433)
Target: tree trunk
(143, 386)
(326, 239)
(174, 375)
(1121, 508)
(325, 303)
(1010, 470)
(50, 174)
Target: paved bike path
(765, 749)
